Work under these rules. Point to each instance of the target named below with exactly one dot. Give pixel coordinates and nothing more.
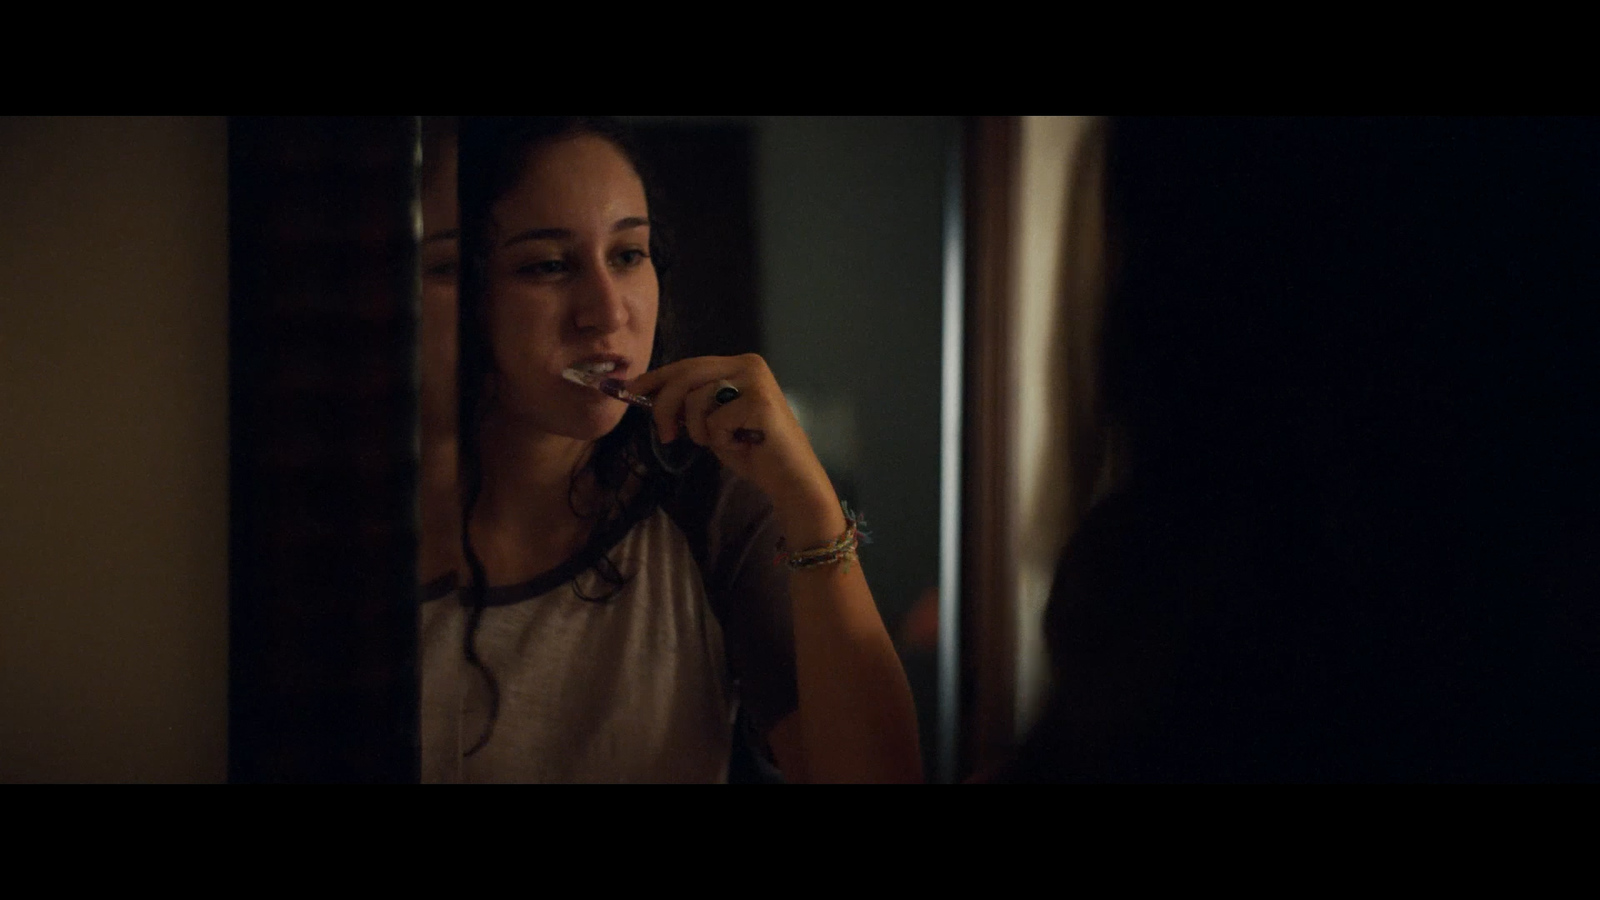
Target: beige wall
(113, 449)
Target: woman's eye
(445, 269)
(629, 258)
(543, 267)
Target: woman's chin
(596, 425)
(582, 424)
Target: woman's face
(571, 283)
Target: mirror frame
(323, 304)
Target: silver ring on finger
(726, 393)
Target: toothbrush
(613, 388)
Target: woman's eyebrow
(449, 234)
(563, 234)
(539, 234)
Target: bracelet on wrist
(842, 549)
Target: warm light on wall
(114, 460)
(1056, 277)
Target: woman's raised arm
(856, 721)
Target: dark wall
(703, 180)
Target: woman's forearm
(857, 718)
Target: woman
(620, 600)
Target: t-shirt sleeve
(749, 593)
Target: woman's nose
(602, 305)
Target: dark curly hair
(493, 152)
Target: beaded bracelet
(841, 549)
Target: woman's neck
(523, 523)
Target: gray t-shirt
(640, 687)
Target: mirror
(820, 244)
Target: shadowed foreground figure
(1347, 370)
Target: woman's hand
(782, 464)
(856, 720)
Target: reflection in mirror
(604, 605)
(438, 503)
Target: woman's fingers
(697, 408)
(730, 405)
(685, 392)
(669, 388)
(753, 415)
(698, 370)
(734, 425)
